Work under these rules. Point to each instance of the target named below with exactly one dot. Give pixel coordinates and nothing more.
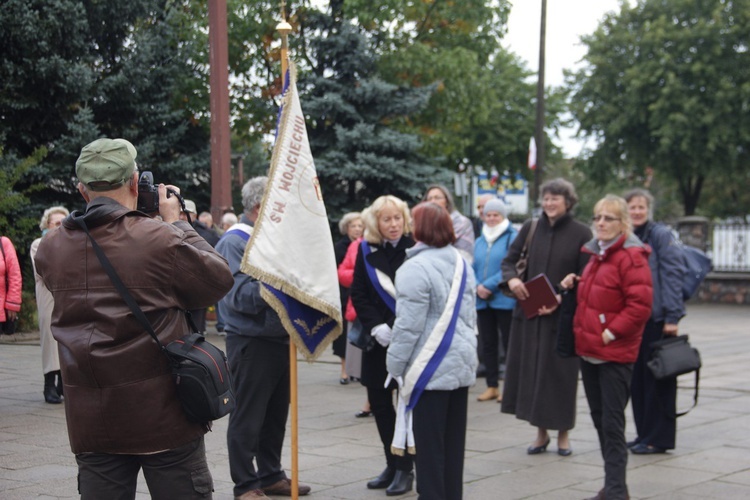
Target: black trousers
(493, 324)
(255, 435)
(654, 401)
(607, 390)
(381, 405)
(440, 438)
(178, 473)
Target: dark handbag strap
(695, 394)
(529, 236)
(120, 286)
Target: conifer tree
(353, 121)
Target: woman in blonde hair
(614, 302)
(382, 251)
(53, 388)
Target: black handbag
(674, 356)
(566, 342)
(200, 369)
(358, 338)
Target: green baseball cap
(106, 164)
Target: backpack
(697, 266)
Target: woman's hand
(545, 311)
(518, 288)
(10, 315)
(670, 329)
(569, 281)
(483, 292)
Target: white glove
(382, 334)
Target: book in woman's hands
(541, 294)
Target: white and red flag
(291, 250)
(532, 154)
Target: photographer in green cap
(122, 410)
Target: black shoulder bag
(674, 356)
(200, 369)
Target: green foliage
(667, 87)
(482, 110)
(14, 203)
(353, 122)
(74, 71)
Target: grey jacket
(423, 283)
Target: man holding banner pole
(258, 351)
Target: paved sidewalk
(339, 453)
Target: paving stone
(339, 453)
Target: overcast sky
(567, 20)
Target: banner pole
(284, 28)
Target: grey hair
(47, 213)
(347, 219)
(229, 218)
(252, 192)
(642, 193)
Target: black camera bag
(201, 373)
(200, 369)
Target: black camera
(148, 194)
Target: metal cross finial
(283, 10)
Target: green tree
(482, 110)
(354, 118)
(667, 87)
(73, 71)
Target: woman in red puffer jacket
(614, 302)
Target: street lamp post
(539, 130)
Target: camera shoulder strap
(120, 286)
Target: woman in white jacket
(433, 350)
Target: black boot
(59, 383)
(50, 392)
(383, 480)
(401, 484)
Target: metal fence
(730, 247)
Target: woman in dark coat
(383, 250)
(351, 228)
(654, 401)
(540, 386)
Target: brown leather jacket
(119, 392)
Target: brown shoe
(284, 488)
(599, 496)
(488, 394)
(251, 494)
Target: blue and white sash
(240, 229)
(439, 341)
(382, 283)
(427, 361)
